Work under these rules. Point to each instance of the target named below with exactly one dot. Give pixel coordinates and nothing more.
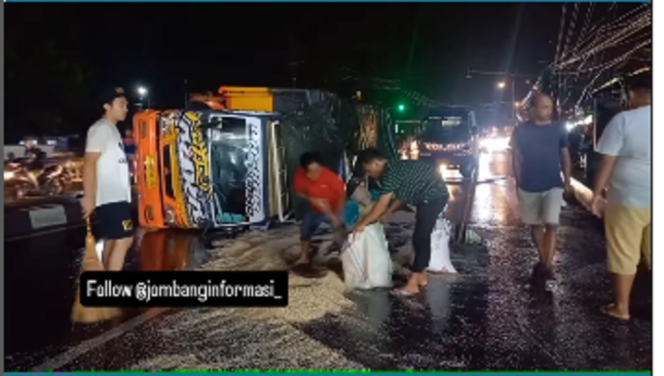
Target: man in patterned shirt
(415, 183)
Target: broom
(91, 263)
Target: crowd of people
(542, 169)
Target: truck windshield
(228, 145)
(447, 130)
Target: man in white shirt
(106, 184)
(626, 168)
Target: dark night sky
(160, 45)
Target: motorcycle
(19, 182)
(22, 181)
(54, 180)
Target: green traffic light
(401, 107)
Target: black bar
(184, 289)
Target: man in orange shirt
(326, 194)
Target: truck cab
(221, 164)
(449, 139)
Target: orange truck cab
(223, 165)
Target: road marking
(65, 358)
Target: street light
(501, 85)
(143, 92)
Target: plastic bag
(440, 248)
(366, 259)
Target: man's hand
(336, 220)
(597, 205)
(320, 203)
(359, 228)
(88, 204)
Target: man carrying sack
(415, 183)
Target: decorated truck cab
(222, 164)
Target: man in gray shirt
(625, 146)
(539, 155)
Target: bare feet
(612, 310)
(304, 259)
(423, 280)
(404, 292)
(412, 287)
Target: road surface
(487, 317)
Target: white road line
(65, 358)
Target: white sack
(440, 248)
(366, 259)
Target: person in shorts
(325, 192)
(626, 168)
(106, 184)
(416, 183)
(542, 168)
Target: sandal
(403, 293)
(609, 310)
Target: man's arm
(342, 206)
(604, 173)
(90, 174)
(94, 147)
(567, 166)
(396, 204)
(377, 211)
(383, 204)
(565, 157)
(340, 189)
(609, 145)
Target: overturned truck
(229, 159)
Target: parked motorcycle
(19, 182)
(54, 180)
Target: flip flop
(608, 311)
(403, 293)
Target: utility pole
(293, 66)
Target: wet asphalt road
(487, 317)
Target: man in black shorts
(106, 184)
